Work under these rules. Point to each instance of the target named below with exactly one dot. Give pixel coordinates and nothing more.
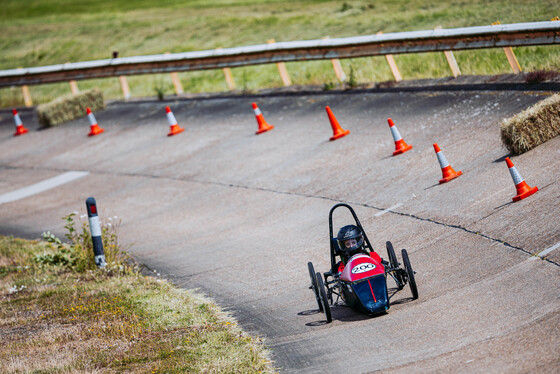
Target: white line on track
(387, 210)
(544, 253)
(47, 184)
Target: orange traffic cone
(20, 129)
(263, 125)
(174, 128)
(94, 129)
(446, 169)
(523, 189)
(338, 132)
(400, 145)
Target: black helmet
(350, 239)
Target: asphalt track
(238, 216)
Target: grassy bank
(58, 314)
(45, 32)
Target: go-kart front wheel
(394, 264)
(323, 297)
(410, 274)
(314, 285)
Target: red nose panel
(361, 267)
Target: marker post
(95, 229)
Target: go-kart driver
(350, 241)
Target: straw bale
(67, 108)
(533, 126)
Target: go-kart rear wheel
(394, 264)
(323, 296)
(410, 274)
(314, 286)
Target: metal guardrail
(512, 35)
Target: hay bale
(69, 107)
(532, 127)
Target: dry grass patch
(56, 319)
(532, 127)
(539, 76)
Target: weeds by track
(56, 319)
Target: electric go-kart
(362, 284)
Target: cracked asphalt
(238, 216)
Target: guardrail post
(338, 68)
(512, 60)
(95, 229)
(124, 87)
(74, 87)
(123, 81)
(511, 56)
(392, 64)
(229, 76)
(282, 69)
(26, 95)
(451, 61)
(176, 81)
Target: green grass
(46, 32)
(56, 318)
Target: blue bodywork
(359, 294)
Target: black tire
(323, 296)
(314, 285)
(410, 273)
(392, 256)
(394, 264)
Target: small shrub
(159, 87)
(345, 6)
(540, 76)
(532, 127)
(245, 89)
(328, 86)
(63, 256)
(78, 253)
(387, 84)
(69, 107)
(352, 82)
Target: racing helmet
(350, 239)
